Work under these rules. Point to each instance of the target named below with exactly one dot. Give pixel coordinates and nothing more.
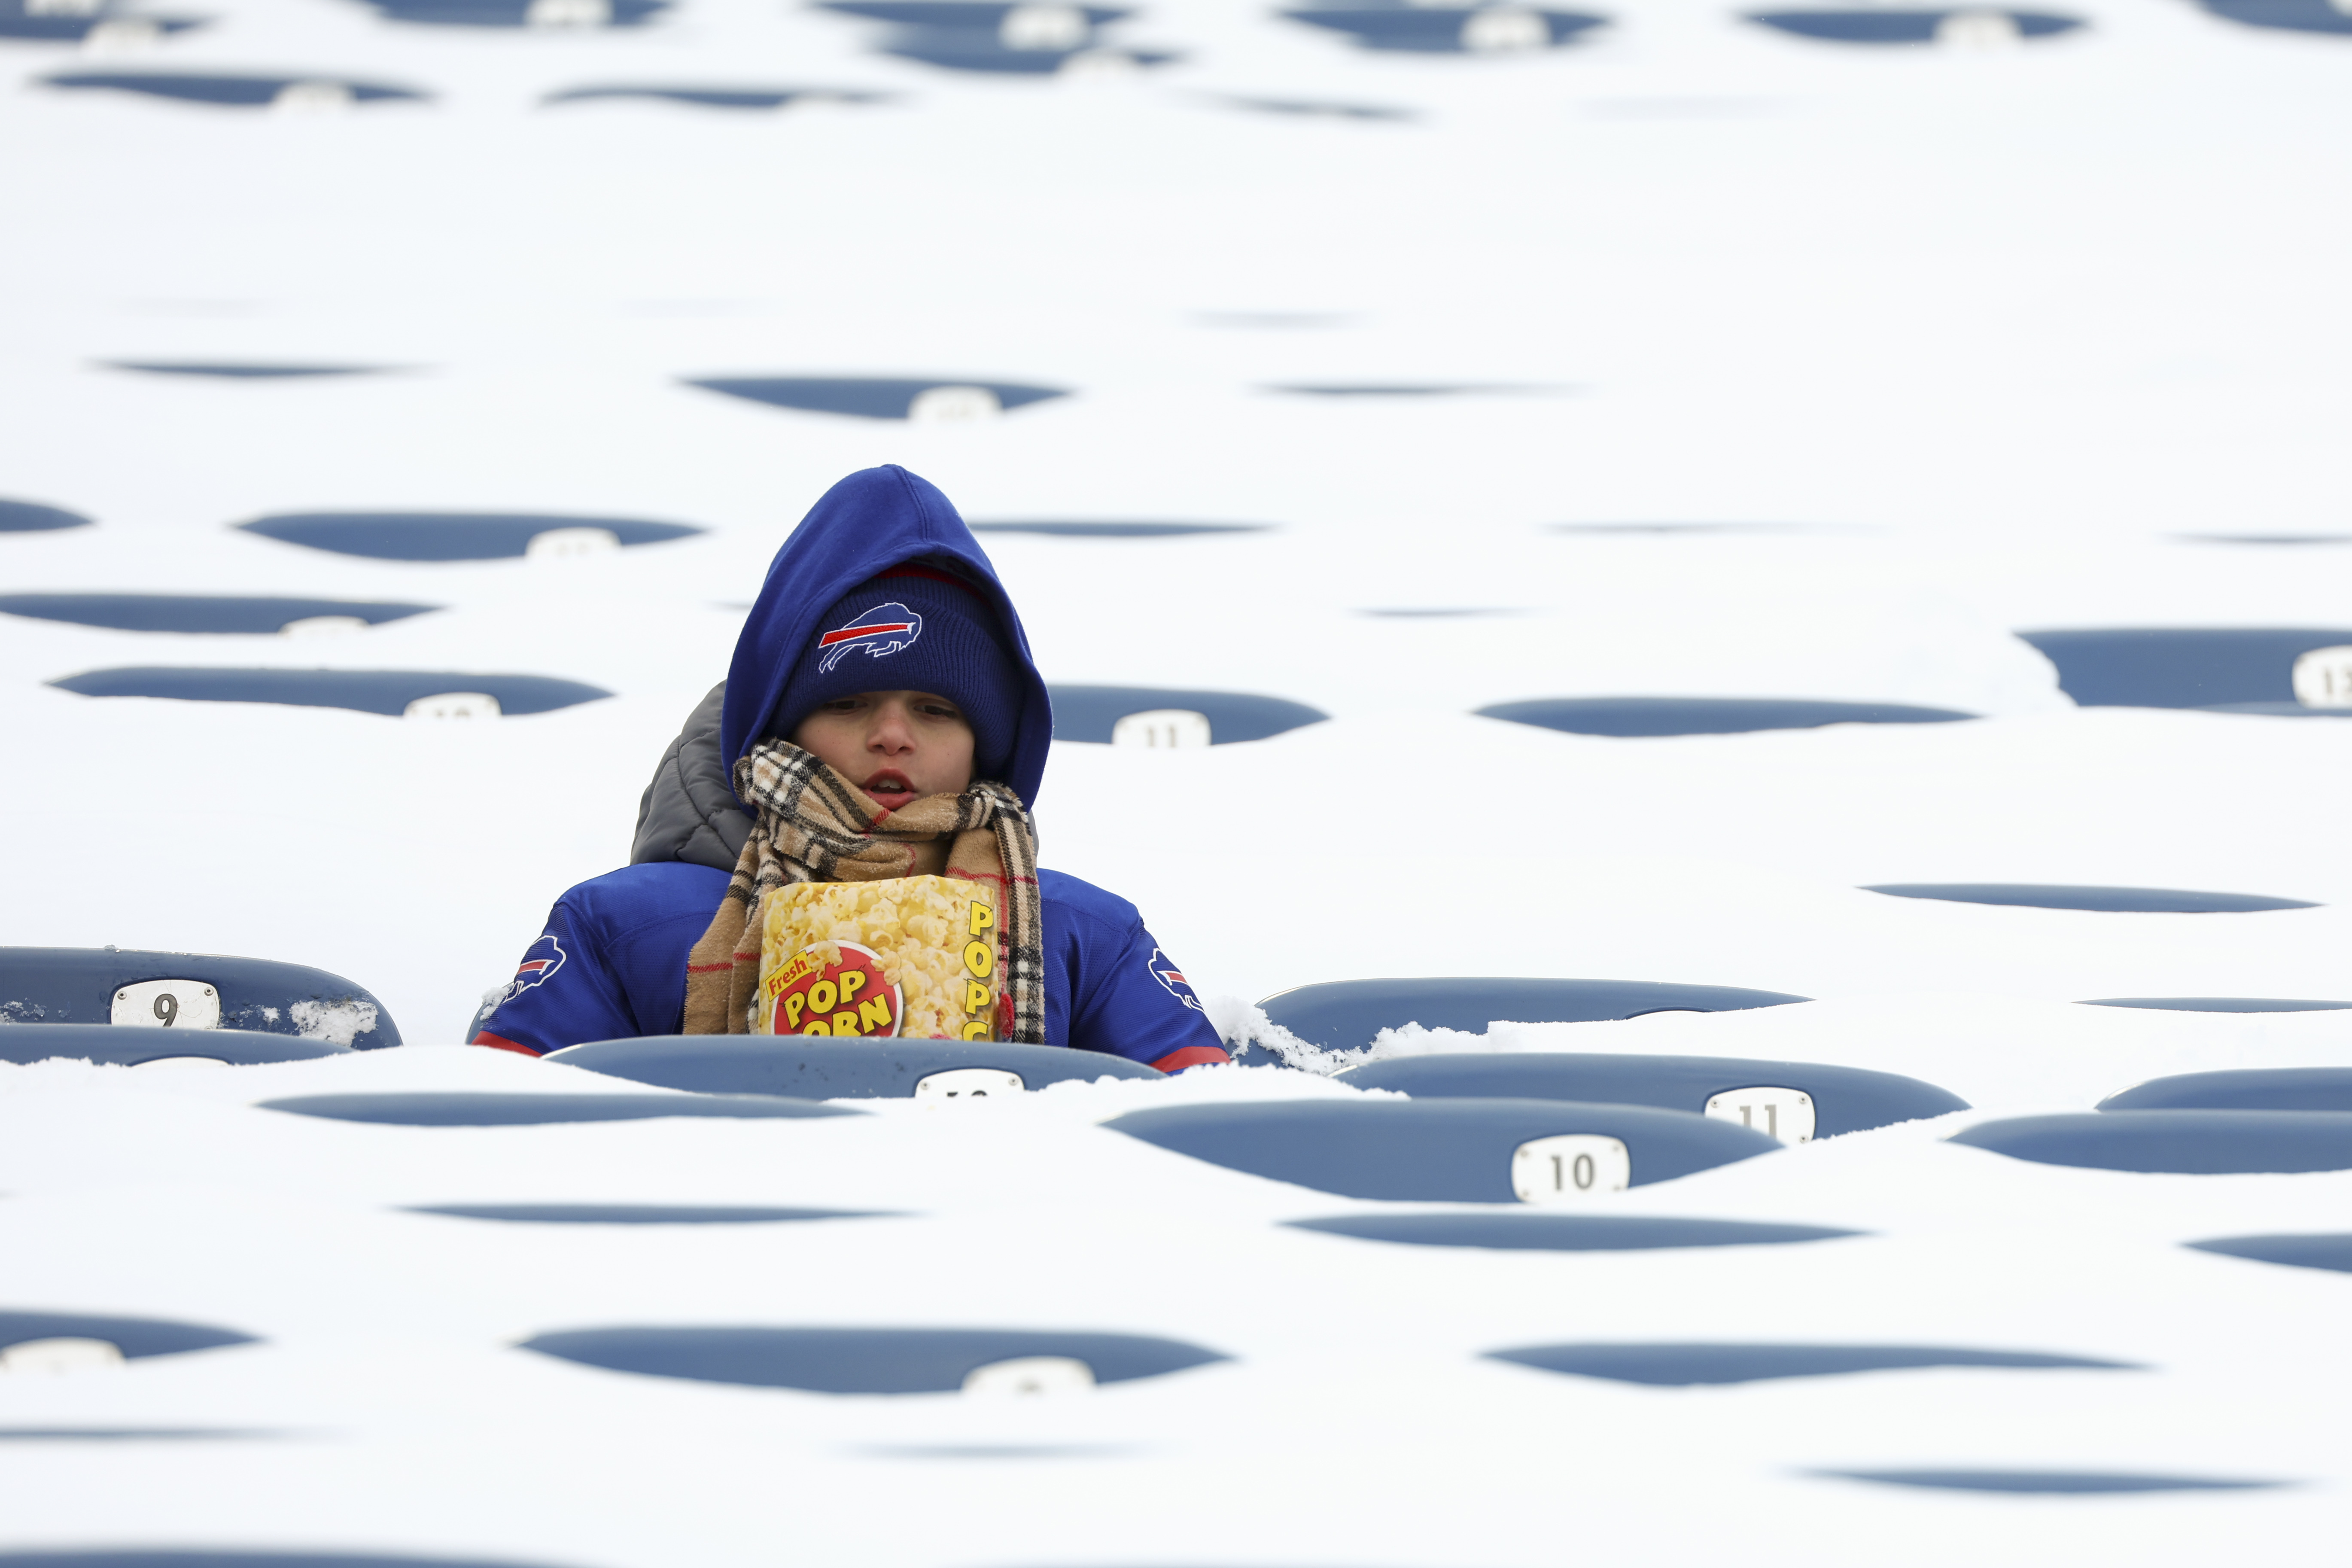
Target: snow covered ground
(1950, 344)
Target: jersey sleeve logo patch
(881, 631)
(540, 963)
(1171, 980)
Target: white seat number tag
(1783, 1113)
(2323, 677)
(1162, 727)
(166, 1005)
(968, 1083)
(59, 1355)
(1569, 1168)
(1030, 1375)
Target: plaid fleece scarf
(811, 825)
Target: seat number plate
(167, 1005)
(1783, 1113)
(968, 1083)
(1569, 1168)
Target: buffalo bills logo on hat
(1171, 980)
(540, 963)
(880, 631)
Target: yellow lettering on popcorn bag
(912, 957)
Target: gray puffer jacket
(689, 811)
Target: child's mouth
(889, 789)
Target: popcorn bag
(909, 958)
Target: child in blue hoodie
(882, 717)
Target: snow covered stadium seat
(2322, 1250)
(1793, 1101)
(1648, 716)
(811, 1069)
(2293, 15)
(643, 1214)
(104, 1044)
(1459, 1150)
(30, 516)
(203, 614)
(2046, 1482)
(2104, 901)
(1345, 1015)
(751, 98)
(243, 370)
(416, 693)
(95, 25)
(1451, 30)
(189, 991)
(2241, 1088)
(1695, 1365)
(2284, 671)
(228, 1557)
(882, 397)
(461, 535)
(1161, 716)
(240, 89)
(61, 1341)
(1525, 1232)
(2181, 1143)
(1954, 27)
(989, 35)
(2217, 1003)
(460, 1109)
(879, 1360)
(534, 14)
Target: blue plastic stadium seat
(1090, 712)
(444, 1108)
(1434, 1151)
(1881, 25)
(861, 1359)
(177, 990)
(387, 692)
(1630, 717)
(864, 397)
(1118, 529)
(1509, 1232)
(58, 29)
(446, 536)
(2241, 1088)
(30, 516)
(980, 51)
(221, 370)
(515, 13)
(1437, 29)
(232, 91)
(1841, 1099)
(1690, 1366)
(2083, 1482)
(196, 613)
(2154, 667)
(642, 1213)
(2105, 901)
(136, 1338)
(2217, 1003)
(134, 1046)
(2320, 1251)
(761, 98)
(2181, 1143)
(2294, 15)
(811, 1069)
(1323, 108)
(1345, 1015)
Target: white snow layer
(1953, 343)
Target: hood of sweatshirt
(874, 520)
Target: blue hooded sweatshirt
(611, 962)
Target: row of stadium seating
(1030, 38)
(249, 1008)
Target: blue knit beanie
(913, 628)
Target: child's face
(894, 745)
